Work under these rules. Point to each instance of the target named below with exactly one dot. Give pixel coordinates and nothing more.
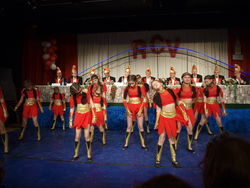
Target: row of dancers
(88, 108)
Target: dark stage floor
(48, 163)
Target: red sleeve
(176, 91)
(71, 102)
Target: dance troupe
(175, 107)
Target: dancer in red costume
(199, 109)
(98, 95)
(187, 95)
(58, 106)
(212, 93)
(148, 104)
(134, 102)
(80, 98)
(3, 118)
(166, 117)
(31, 98)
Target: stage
(48, 163)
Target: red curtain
(244, 37)
(33, 67)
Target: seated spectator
(226, 163)
(165, 181)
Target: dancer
(199, 109)
(187, 95)
(212, 93)
(3, 118)
(98, 95)
(136, 97)
(148, 104)
(80, 98)
(31, 98)
(58, 106)
(166, 117)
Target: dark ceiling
(121, 15)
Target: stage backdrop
(93, 48)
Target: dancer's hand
(129, 113)
(70, 124)
(156, 126)
(94, 119)
(224, 113)
(42, 110)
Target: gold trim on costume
(30, 101)
(57, 102)
(82, 108)
(135, 100)
(168, 114)
(211, 101)
(199, 100)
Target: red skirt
(199, 107)
(82, 120)
(169, 124)
(57, 110)
(30, 111)
(99, 118)
(213, 109)
(190, 113)
(2, 118)
(134, 109)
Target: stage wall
(93, 48)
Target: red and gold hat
(216, 68)
(74, 69)
(92, 71)
(172, 69)
(128, 68)
(58, 70)
(106, 70)
(194, 67)
(237, 68)
(148, 70)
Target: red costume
(188, 92)
(212, 106)
(97, 99)
(83, 115)
(3, 107)
(167, 120)
(199, 104)
(135, 102)
(32, 100)
(59, 103)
